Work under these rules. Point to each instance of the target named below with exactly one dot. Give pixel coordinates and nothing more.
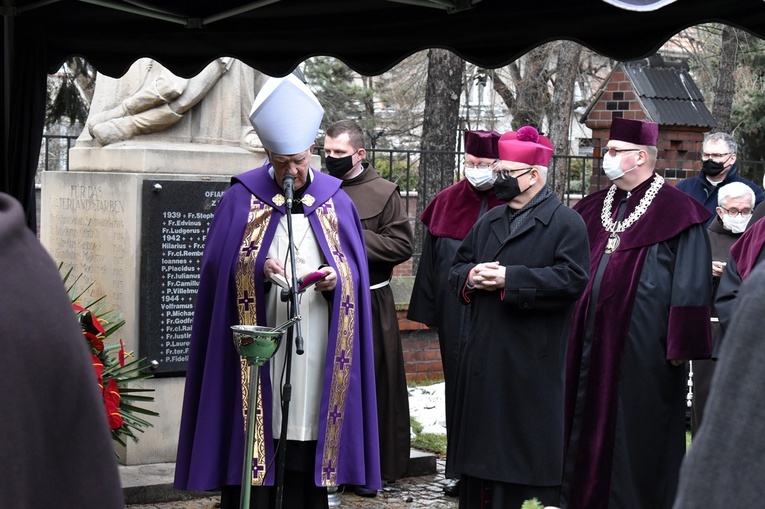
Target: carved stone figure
(211, 107)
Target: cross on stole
(246, 300)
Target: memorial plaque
(174, 222)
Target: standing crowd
(566, 334)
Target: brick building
(660, 91)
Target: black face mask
(508, 188)
(339, 166)
(712, 168)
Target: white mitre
(286, 115)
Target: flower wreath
(113, 372)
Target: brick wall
(422, 355)
(679, 147)
(404, 269)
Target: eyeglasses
(480, 166)
(506, 174)
(705, 156)
(613, 151)
(736, 212)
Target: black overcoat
(512, 379)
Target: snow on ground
(426, 404)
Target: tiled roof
(669, 94)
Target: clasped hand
(487, 276)
(275, 266)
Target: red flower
(99, 367)
(94, 341)
(122, 353)
(112, 403)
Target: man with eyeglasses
(718, 169)
(645, 311)
(448, 219)
(733, 214)
(746, 254)
(520, 269)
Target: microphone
(288, 184)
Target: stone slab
(420, 463)
(144, 157)
(153, 483)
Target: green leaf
(140, 410)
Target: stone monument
(132, 213)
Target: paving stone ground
(424, 492)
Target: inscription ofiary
(176, 217)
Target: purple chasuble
(211, 443)
(688, 335)
(456, 209)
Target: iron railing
(401, 166)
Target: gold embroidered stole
(252, 241)
(344, 343)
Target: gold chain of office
(614, 227)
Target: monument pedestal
(132, 218)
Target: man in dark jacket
(521, 268)
(733, 213)
(718, 169)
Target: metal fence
(54, 153)
(402, 167)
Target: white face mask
(612, 166)
(479, 178)
(736, 224)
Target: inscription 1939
(175, 219)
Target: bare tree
(726, 79)
(439, 128)
(523, 86)
(568, 54)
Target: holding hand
(328, 283)
(273, 266)
(718, 268)
(487, 276)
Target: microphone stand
(291, 296)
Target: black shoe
(364, 492)
(453, 488)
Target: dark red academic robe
(647, 303)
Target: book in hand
(304, 282)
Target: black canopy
(274, 36)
